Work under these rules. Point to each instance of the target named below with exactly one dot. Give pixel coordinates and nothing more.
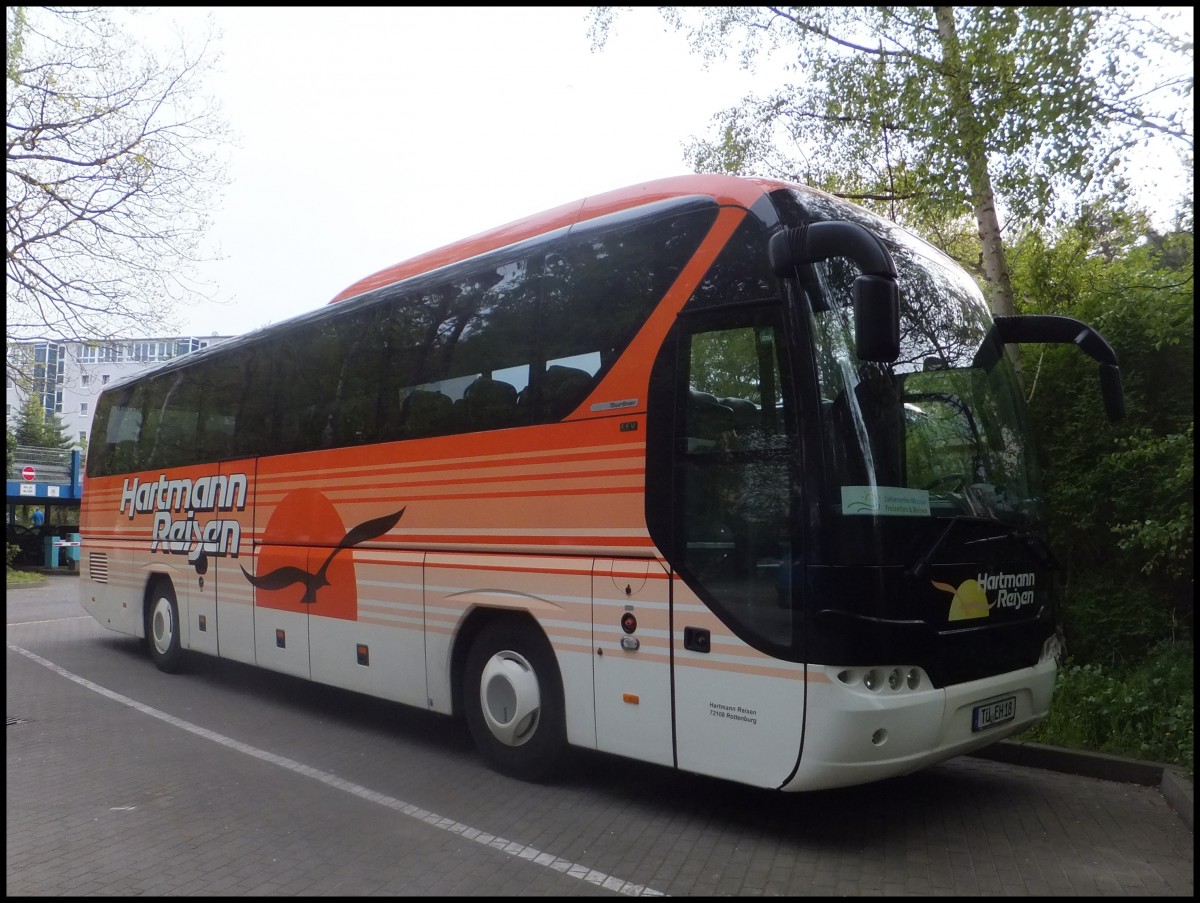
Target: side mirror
(1112, 391)
(1064, 330)
(876, 319)
(876, 295)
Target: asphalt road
(231, 780)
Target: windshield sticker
(885, 500)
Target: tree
(36, 429)
(1127, 563)
(937, 111)
(112, 164)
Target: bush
(1116, 621)
(1120, 496)
(1142, 713)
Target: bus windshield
(933, 434)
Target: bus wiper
(921, 565)
(1034, 543)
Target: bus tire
(513, 699)
(162, 627)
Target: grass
(1143, 712)
(21, 578)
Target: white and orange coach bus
(722, 474)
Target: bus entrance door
(632, 661)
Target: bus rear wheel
(514, 701)
(162, 627)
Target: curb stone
(1176, 787)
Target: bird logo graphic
(289, 575)
(970, 600)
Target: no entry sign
(28, 474)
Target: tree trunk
(995, 265)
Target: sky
(368, 136)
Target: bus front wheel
(162, 627)
(514, 701)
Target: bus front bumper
(854, 734)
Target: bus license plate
(992, 713)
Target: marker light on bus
(873, 679)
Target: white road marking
(518, 850)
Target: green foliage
(22, 578)
(36, 429)
(15, 43)
(1165, 538)
(1120, 495)
(912, 104)
(1113, 618)
(934, 115)
(1142, 713)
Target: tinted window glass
(735, 470)
(742, 272)
(470, 353)
(317, 367)
(116, 432)
(507, 342)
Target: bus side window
(489, 404)
(707, 422)
(557, 393)
(746, 416)
(563, 388)
(426, 413)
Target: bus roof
(725, 189)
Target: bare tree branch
(112, 165)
